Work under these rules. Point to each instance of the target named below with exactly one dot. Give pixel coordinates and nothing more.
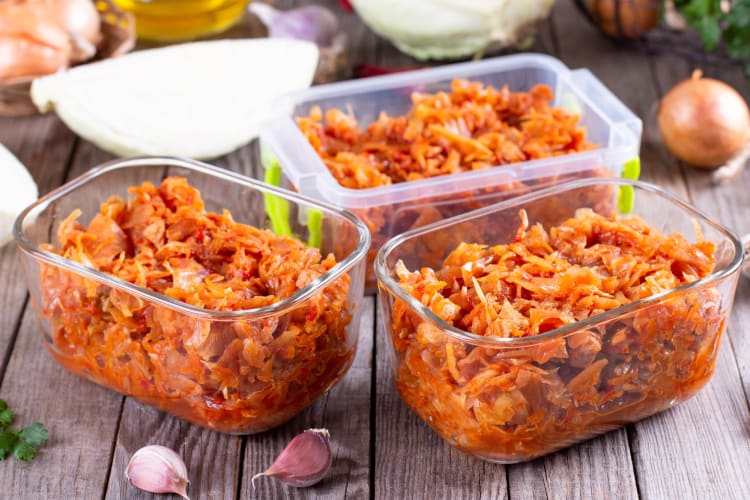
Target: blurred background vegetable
(312, 23)
(38, 37)
(722, 22)
(722, 25)
(453, 29)
(623, 18)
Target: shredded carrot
(472, 127)
(243, 375)
(519, 402)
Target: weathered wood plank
(697, 449)
(80, 416)
(412, 461)
(664, 446)
(32, 378)
(345, 412)
(44, 145)
(212, 458)
(598, 468)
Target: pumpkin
(623, 18)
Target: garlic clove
(158, 469)
(304, 461)
(313, 23)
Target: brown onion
(38, 37)
(704, 122)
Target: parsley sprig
(22, 444)
(716, 21)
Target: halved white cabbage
(450, 29)
(198, 100)
(17, 190)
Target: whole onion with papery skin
(704, 122)
(452, 29)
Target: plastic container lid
(608, 122)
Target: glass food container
(175, 20)
(393, 209)
(239, 371)
(508, 400)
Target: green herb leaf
(6, 418)
(695, 9)
(710, 32)
(24, 452)
(729, 24)
(21, 444)
(8, 442)
(34, 434)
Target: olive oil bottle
(174, 20)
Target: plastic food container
(231, 371)
(391, 210)
(508, 400)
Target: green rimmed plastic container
(391, 210)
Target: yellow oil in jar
(172, 20)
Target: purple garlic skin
(305, 460)
(312, 23)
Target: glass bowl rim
(282, 306)
(386, 281)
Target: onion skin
(79, 17)
(704, 122)
(21, 58)
(39, 37)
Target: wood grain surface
(699, 449)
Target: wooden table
(700, 449)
